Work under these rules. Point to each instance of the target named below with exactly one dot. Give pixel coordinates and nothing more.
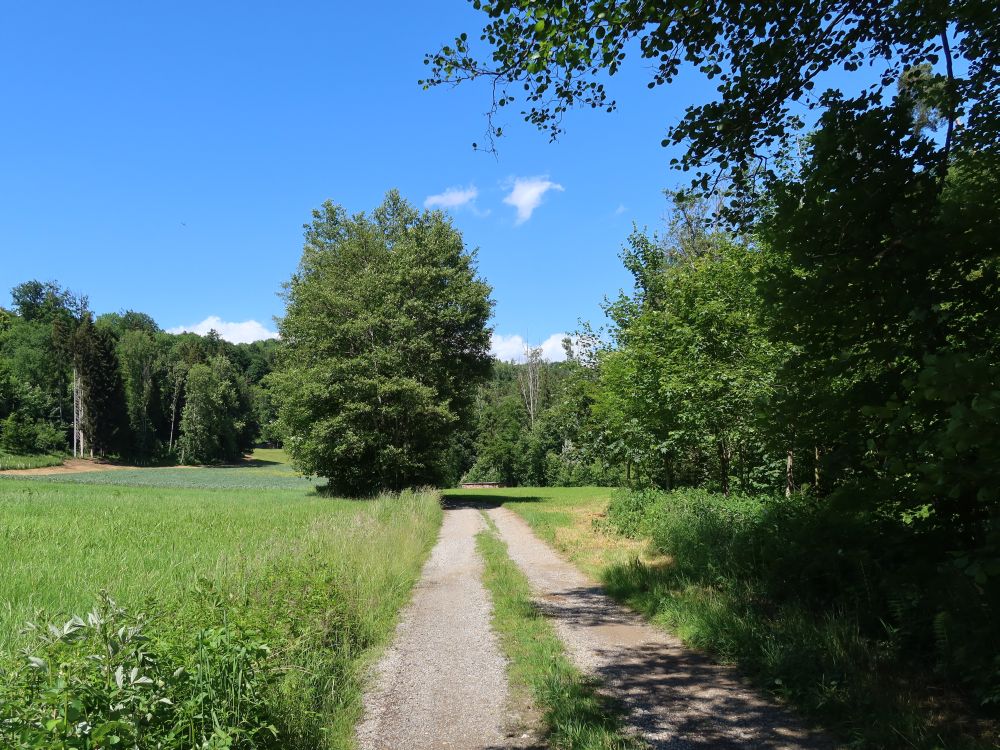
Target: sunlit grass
(8, 461)
(321, 579)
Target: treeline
(532, 424)
(116, 385)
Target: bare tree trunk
(725, 455)
(76, 414)
(789, 474)
(528, 380)
(816, 470)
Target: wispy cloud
(242, 332)
(453, 197)
(512, 348)
(620, 210)
(526, 195)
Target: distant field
(7, 461)
(267, 468)
(254, 545)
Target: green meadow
(213, 565)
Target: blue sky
(164, 157)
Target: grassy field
(252, 553)
(8, 461)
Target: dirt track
(69, 466)
(443, 683)
(674, 697)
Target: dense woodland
(116, 385)
(806, 375)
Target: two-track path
(673, 697)
(443, 683)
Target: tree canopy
(384, 340)
(764, 59)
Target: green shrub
(627, 510)
(111, 680)
(835, 608)
(20, 435)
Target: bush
(111, 681)
(836, 609)
(628, 508)
(20, 435)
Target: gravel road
(674, 698)
(443, 682)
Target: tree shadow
(452, 501)
(257, 462)
(711, 705)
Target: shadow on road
(485, 501)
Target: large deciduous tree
(385, 338)
(214, 421)
(767, 61)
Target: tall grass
(10, 461)
(838, 612)
(575, 715)
(307, 588)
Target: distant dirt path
(69, 466)
(675, 698)
(443, 683)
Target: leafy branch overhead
(765, 60)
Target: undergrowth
(10, 461)
(841, 614)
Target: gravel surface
(673, 697)
(443, 682)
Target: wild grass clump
(575, 715)
(36, 461)
(248, 622)
(828, 608)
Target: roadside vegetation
(878, 650)
(31, 461)
(801, 390)
(189, 617)
(575, 715)
(745, 580)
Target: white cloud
(620, 210)
(453, 197)
(512, 347)
(236, 332)
(526, 195)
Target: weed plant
(233, 619)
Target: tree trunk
(789, 474)
(816, 471)
(725, 456)
(76, 422)
(173, 415)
